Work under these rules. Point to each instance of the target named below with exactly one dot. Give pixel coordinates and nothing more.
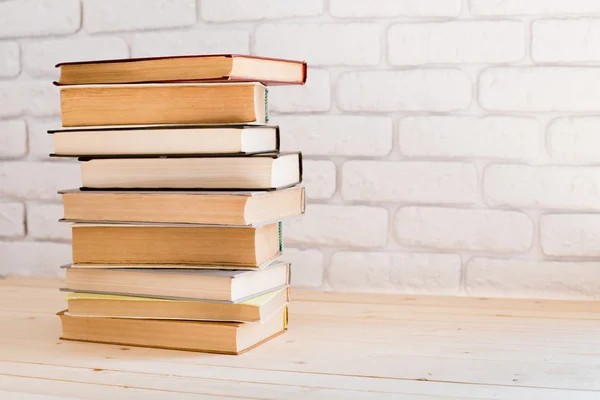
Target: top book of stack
(206, 89)
(182, 69)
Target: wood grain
(338, 346)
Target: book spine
(280, 231)
(266, 105)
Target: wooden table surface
(338, 346)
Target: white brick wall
(509, 138)
(491, 231)
(450, 146)
(456, 42)
(410, 181)
(409, 90)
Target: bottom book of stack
(219, 311)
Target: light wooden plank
(196, 386)
(4, 395)
(87, 391)
(372, 359)
(116, 362)
(340, 345)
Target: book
(258, 308)
(204, 336)
(256, 172)
(122, 244)
(193, 103)
(166, 139)
(235, 208)
(179, 284)
(196, 68)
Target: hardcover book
(195, 68)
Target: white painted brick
(203, 41)
(12, 219)
(574, 140)
(10, 65)
(394, 8)
(313, 96)
(42, 221)
(533, 7)
(409, 90)
(43, 180)
(570, 234)
(13, 139)
(35, 98)
(319, 179)
(540, 89)
(40, 142)
(492, 231)
(40, 57)
(34, 258)
(456, 42)
(410, 181)
(118, 15)
(349, 135)
(307, 266)
(576, 40)
(418, 273)
(533, 279)
(321, 44)
(542, 187)
(39, 17)
(253, 10)
(336, 225)
(509, 138)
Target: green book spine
(266, 105)
(280, 236)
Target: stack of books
(177, 234)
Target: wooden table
(338, 346)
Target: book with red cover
(192, 68)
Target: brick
(307, 266)
(42, 221)
(408, 90)
(314, 96)
(12, 219)
(335, 225)
(319, 179)
(410, 181)
(39, 17)
(34, 258)
(44, 179)
(326, 135)
(492, 231)
(574, 140)
(254, 10)
(558, 40)
(321, 44)
(542, 186)
(13, 139)
(35, 98)
(456, 42)
(394, 8)
(570, 235)
(418, 273)
(540, 89)
(130, 15)
(10, 65)
(191, 42)
(533, 7)
(509, 138)
(538, 279)
(40, 57)
(40, 142)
